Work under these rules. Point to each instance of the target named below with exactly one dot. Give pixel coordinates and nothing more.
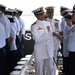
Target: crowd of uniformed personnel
(48, 34)
(12, 37)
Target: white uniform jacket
(55, 28)
(43, 47)
(17, 24)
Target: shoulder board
(45, 20)
(56, 19)
(34, 23)
(73, 29)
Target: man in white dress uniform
(54, 23)
(43, 47)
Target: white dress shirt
(63, 24)
(22, 25)
(13, 35)
(6, 23)
(65, 41)
(17, 24)
(2, 36)
(71, 41)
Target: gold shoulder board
(56, 19)
(34, 23)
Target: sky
(29, 5)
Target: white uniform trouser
(44, 67)
(55, 54)
(55, 60)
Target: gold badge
(39, 28)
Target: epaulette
(46, 18)
(72, 30)
(56, 19)
(34, 23)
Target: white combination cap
(50, 9)
(38, 11)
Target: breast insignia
(39, 28)
(45, 20)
